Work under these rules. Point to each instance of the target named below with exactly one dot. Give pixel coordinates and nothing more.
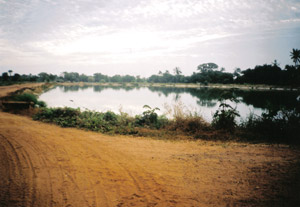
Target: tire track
(45, 165)
(145, 194)
(26, 188)
(42, 174)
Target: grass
(273, 126)
(279, 128)
(183, 124)
(146, 124)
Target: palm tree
(295, 56)
(10, 71)
(177, 71)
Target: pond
(204, 101)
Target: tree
(205, 67)
(139, 79)
(16, 77)
(10, 72)
(237, 73)
(72, 76)
(275, 63)
(128, 79)
(167, 77)
(5, 76)
(43, 77)
(83, 78)
(116, 79)
(262, 74)
(99, 77)
(295, 56)
(154, 79)
(177, 71)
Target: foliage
(224, 117)
(28, 97)
(212, 77)
(5, 76)
(98, 77)
(205, 67)
(295, 56)
(150, 118)
(167, 77)
(274, 126)
(107, 122)
(265, 74)
(206, 73)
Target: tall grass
(186, 121)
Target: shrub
(29, 97)
(150, 118)
(42, 104)
(190, 124)
(65, 117)
(224, 118)
(274, 126)
(107, 122)
(111, 117)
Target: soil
(46, 165)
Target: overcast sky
(141, 37)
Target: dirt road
(45, 165)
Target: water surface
(131, 100)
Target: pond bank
(43, 165)
(187, 85)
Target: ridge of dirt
(7, 90)
(46, 165)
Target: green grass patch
(28, 97)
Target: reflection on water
(132, 99)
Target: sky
(142, 37)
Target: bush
(150, 118)
(107, 122)
(110, 117)
(279, 126)
(65, 117)
(191, 125)
(42, 104)
(224, 118)
(29, 97)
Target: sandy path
(45, 165)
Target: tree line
(271, 74)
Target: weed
(224, 118)
(150, 118)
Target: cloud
(103, 32)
